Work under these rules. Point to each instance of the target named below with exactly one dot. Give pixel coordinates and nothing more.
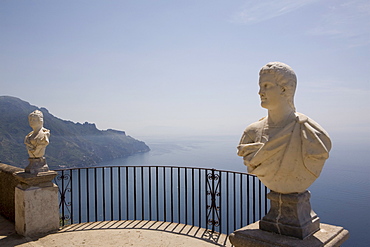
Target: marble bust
(36, 142)
(286, 150)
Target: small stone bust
(286, 150)
(36, 142)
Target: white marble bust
(286, 149)
(37, 140)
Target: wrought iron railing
(220, 201)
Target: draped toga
(289, 161)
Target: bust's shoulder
(253, 127)
(301, 118)
(45, 130)
(253, 132)
(45, 133)
(315, 128)
(29, 134)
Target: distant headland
(71, 144)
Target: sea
(340, 196)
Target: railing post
(64, 204)
(213, 185)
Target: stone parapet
(8, 182)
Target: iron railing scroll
(213, 192)
(63, 179)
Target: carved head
(36, 119)
(284, 77)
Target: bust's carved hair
(38, 114)
(284, 77)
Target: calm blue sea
(340, 196)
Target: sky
(186, 68)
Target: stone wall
(8, 182)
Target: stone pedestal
(252, 236)
(290, 215)
(290, 222)
(37, 165)
(36, 204)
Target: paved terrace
(115, 233)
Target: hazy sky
(186, 67)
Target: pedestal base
(290, 215)
(252, 236)
(37, 165)
(41, 179)
(36, 204)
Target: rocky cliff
(71, 144)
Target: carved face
(271, 94)
(35, 121)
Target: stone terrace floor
(115, 233)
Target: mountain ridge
(71, 144)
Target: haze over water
(339, 196)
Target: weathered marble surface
(290, 215)
(36, 210)
(41, 179)
(286, 149)
(36, 203)
(36, 142)
(252, 236)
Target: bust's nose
(261, 92)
